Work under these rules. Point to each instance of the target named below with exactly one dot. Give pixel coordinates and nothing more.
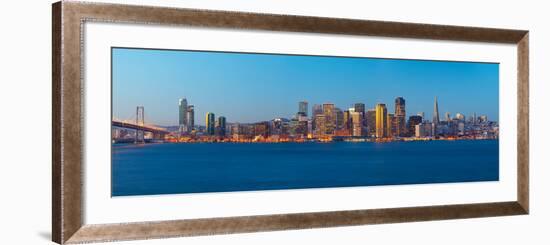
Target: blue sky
(255, 87)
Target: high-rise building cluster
(328, 122)
(186, 117)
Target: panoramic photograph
(187, 121)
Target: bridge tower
(140, 121)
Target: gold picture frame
(67, 198)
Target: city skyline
(255, 104)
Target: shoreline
(306, 141)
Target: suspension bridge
(138, 124)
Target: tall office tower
(182, 115)
(360, 107)
(448, 116)
(347, 120)
(302, 108)
(317, 109)
(210, 123)
(421, 114)
(330, 118)
(190, 117)
(392, 125)
(221, 126)
(413, 121)
(400, 114)
(339, 118)
(320, 125)
(371, 122)
(357, 123)
(435, 119)
(381, 121)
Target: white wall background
(25, 121)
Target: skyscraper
(448, 116)
(221, 126)
(400, 114)
(317, 109)
(381, 121)
(182, 115)
(357, 123)
(347, 120)
(371, 122)
(413, 121)
(435, 119)
(339, 118)
(359, 107)
(302, 108)
(392, 125)
(320, 124)
(190, 117)
(330, 118)
(210, 123)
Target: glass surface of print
(205, 121)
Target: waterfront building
(347, 120)
(413, 121)
(234, 130)
(320, 125)
(357, 123)
(339, 118)
(392, 125)
(424, 130)
(298, 128)
(303, 128)
(210, 123)
(190, 118)
(400, 114)
(182, 115)
(293, 127)
(454, 127)
(381, 121)
(330, 118)
(302, 108)
(221, 126)
(317, 109)
(277, 126)
(360, 107)
(261, 129)
(371, 122)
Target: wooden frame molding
(67, 211)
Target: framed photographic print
(179, 122)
